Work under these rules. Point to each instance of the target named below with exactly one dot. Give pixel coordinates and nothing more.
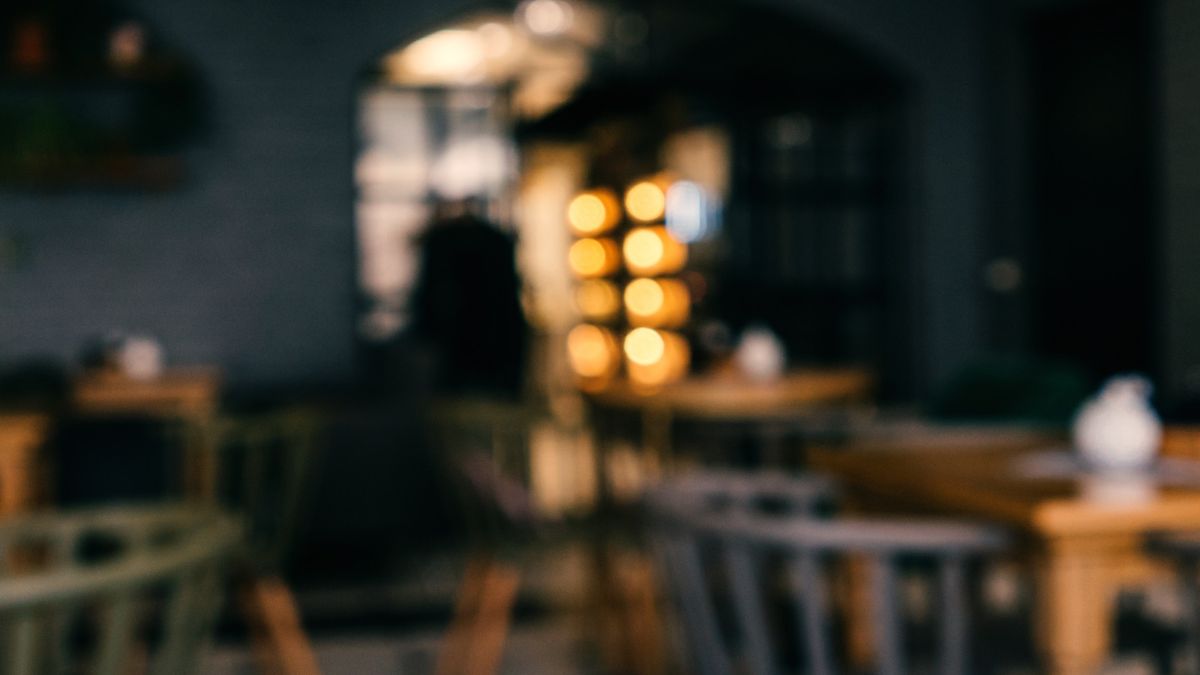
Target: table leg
(17, 480)
(656, 442)
(858, 604)
(200, 459)
(1076, 599)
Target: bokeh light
(671, 364)
(657, 302)
(592, 351)
(645, 201)
(644, 346)
(451, 55)
(644, 297)
(590, 258)
(687, 211)
(643, 249)
(546, 17)
(593, 212)
(598, 299)
(651, 251)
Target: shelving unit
(88, 98)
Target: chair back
(110, 591)
(743, 553)
(264, 470)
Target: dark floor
(396, 627)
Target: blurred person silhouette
(466, 305)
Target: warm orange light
(593, 257)
(646, 201)
(656, 302)
(592, 351)
(593, 212)
(644, 346)
(671, 364)
(644, 297)
(651, 251)
(598, 299)
(643, 249)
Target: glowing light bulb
(450, 55)
(645, 201)
(643, 249)
(644, 297)
(592, 257)
(597, 299)
(546, 17)
(591, 351)
(644, 346)
(650, 251)
(497, 39)
(593, 212)
(657, 303)
(671, 364)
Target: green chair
(111, 591)
(262, 473)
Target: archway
(797, 134)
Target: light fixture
(593, 212)
(651, 251)
(546, 18)
(598, 299)
(590, 258)
(656, 302)
(592, 351)
(645, 201)
(654, 357)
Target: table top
(729, 395)
(1040, 490)
(177, 391)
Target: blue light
(688, 214)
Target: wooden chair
(724, 546)
(258, 465)
(111, 591)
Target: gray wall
(250, 263)
(939, 45)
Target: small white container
(760, 355)
(1117, 430)
(141, 358)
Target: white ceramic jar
(1118, 430)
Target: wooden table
(1086, 535)
(727, 394)
(768, 411)
(184, 392)
(772, 408)
(21, 434)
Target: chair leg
(642, 622)
(474, 644)
(280, 643)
